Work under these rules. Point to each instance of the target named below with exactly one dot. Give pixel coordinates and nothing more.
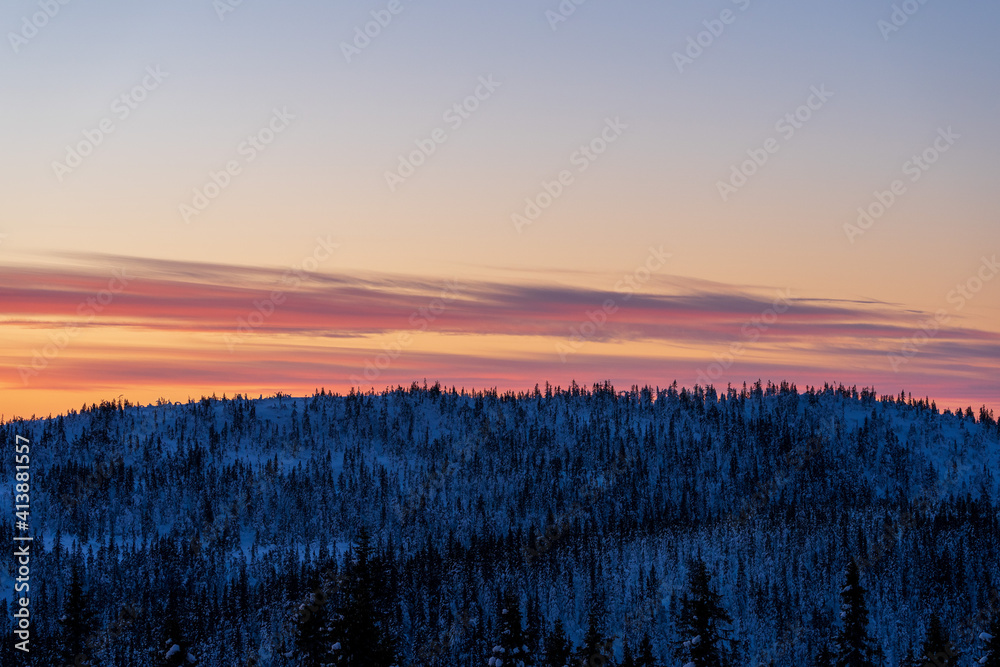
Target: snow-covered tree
(937, 651)
(645, 657)
(558, 648)
(77, 620)
(177, 649)
(702, 617)
(313, 632)
(824, 657)
(597, 646)
(362, 631)
(511, 648)
(769, 483)
(628, 658)
(855, 647)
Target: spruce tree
(177, 648)
(511, 649)
(645, 658)
(362, 632)
(533, 625)
(558, 647)
(596, 647)
(701, 619)
(312, 633)
(938, 649)
(855, 647)
(628, 660)
(76, 622)
(824, 657)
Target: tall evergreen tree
(512, 648)
(824, 657)
(362, 632)
(177, 649)
(628, 659)
(312, 632)
(855, 648)
(645, 658)
(937, 651)
(701, 619)
(76, 622)
(558, 647)
(596, 647)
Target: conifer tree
(312, 632)
(701, 619)
(628, 659)
(177, 648)
(596, 647)
(558, 647)
(645, 658)
(825, 657)
(855, 647)
(76, 622)
(362, 631)
(937, 651)
(511, 649)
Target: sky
(206, 197)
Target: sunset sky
(218, 197)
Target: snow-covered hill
(229, 514)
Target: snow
(957, 454)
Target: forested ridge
(434, 526)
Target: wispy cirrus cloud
(323, 329)
(207, 297)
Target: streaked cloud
(167, 330)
